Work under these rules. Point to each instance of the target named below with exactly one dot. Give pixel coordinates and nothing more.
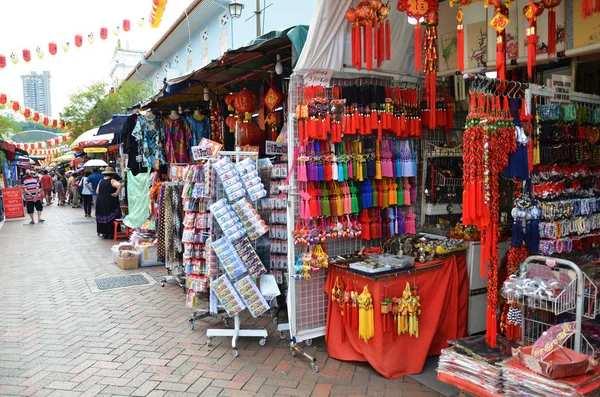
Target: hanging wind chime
(371, 31)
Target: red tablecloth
(444, 292)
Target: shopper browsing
(31, 190)
(47, 186)
(86, 193)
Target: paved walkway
(57, 338)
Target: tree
(8, 126)
(94, 105)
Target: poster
(13, 203)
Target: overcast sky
(32, 23)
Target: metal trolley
(578, 297)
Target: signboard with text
(13, 203)
(561, 88)
(276, 148)
(320, 77)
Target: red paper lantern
(126, 25)
(230, 121)
(103, 33)
(246, 101)
(52, 48)
(26, 55)
(36, 116)
(27, 113)
(78, 40)
(49, 143)
(26, 146)
(2, 99)
(15, 106)
(64, 137)
(229, 98)
(2, 61)
(54, 124)
(249, 133)
(46, 121)
(56, 141)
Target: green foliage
(94, 104)
(449, 49)
(8, 126)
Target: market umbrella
(96, 163)
(552, 339)
(64, 158)
(89, 139)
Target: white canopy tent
(329, 43)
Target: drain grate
(120, 282)
(81, 222)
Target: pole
(257, 13)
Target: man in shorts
(47, 186)
(31, 190)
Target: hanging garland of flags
(156, 14)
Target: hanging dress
(177, 136)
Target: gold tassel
(366, 320)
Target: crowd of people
(76, 188)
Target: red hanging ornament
(417, 9)
(431, 59)
(3, 99)
(52, 48)
(551, 5)
(531, 12)
(2, 61)
(26, 55)
(499, 24)
(27, 113)
(352, 18)
(367, 16)
(126, 25)
(460, 40)
(78, 40)
(103, 33)
(16, 106)
(36, 116)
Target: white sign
(320, 77)
(276, 148)
(561, 88)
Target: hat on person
(109, 171)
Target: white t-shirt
(84, 189)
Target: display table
(443, 288)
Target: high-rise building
(36, 92)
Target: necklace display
(491, 131)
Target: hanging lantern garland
(371, 30)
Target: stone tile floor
(59, 339)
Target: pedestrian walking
(31, 190)
(60, 187)
(86, 193)
(94, 180)
(108, 208)
(74, 188)
(47, 186)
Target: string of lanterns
(156, 14)
(30, 114)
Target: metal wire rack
(534, 326)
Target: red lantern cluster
(369, 20)
(245, 101)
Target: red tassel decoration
(460, 52)
(587, 8)
(381, 50)
(388, 41)
(377, 44)
(501, 55)
(531, 51)
(552, 31)
(418, 43)
(369, 47)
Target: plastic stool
(117, 234)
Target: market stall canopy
(64, 158)
(89, 139)
(256, 57)
(119, 125)
(328, 45)
(95, 163)
(33, 136)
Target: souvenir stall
(357, 261)
(214, 208)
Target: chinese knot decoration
(425, 11)
(369, 23)
(499, 24)
(460, 32)
(551, 5)
(531, 12)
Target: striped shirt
(31, 185)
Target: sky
(32, 23)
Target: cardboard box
(131, 262)
(148, 255)
(116, 248)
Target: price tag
(320, 77)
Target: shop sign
(202, 152)
(13, 203)
(320, 77)
(95, 150)
(276, 148)
(561, 88)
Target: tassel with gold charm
(414, 312)
(366, 319)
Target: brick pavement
(59, 339)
